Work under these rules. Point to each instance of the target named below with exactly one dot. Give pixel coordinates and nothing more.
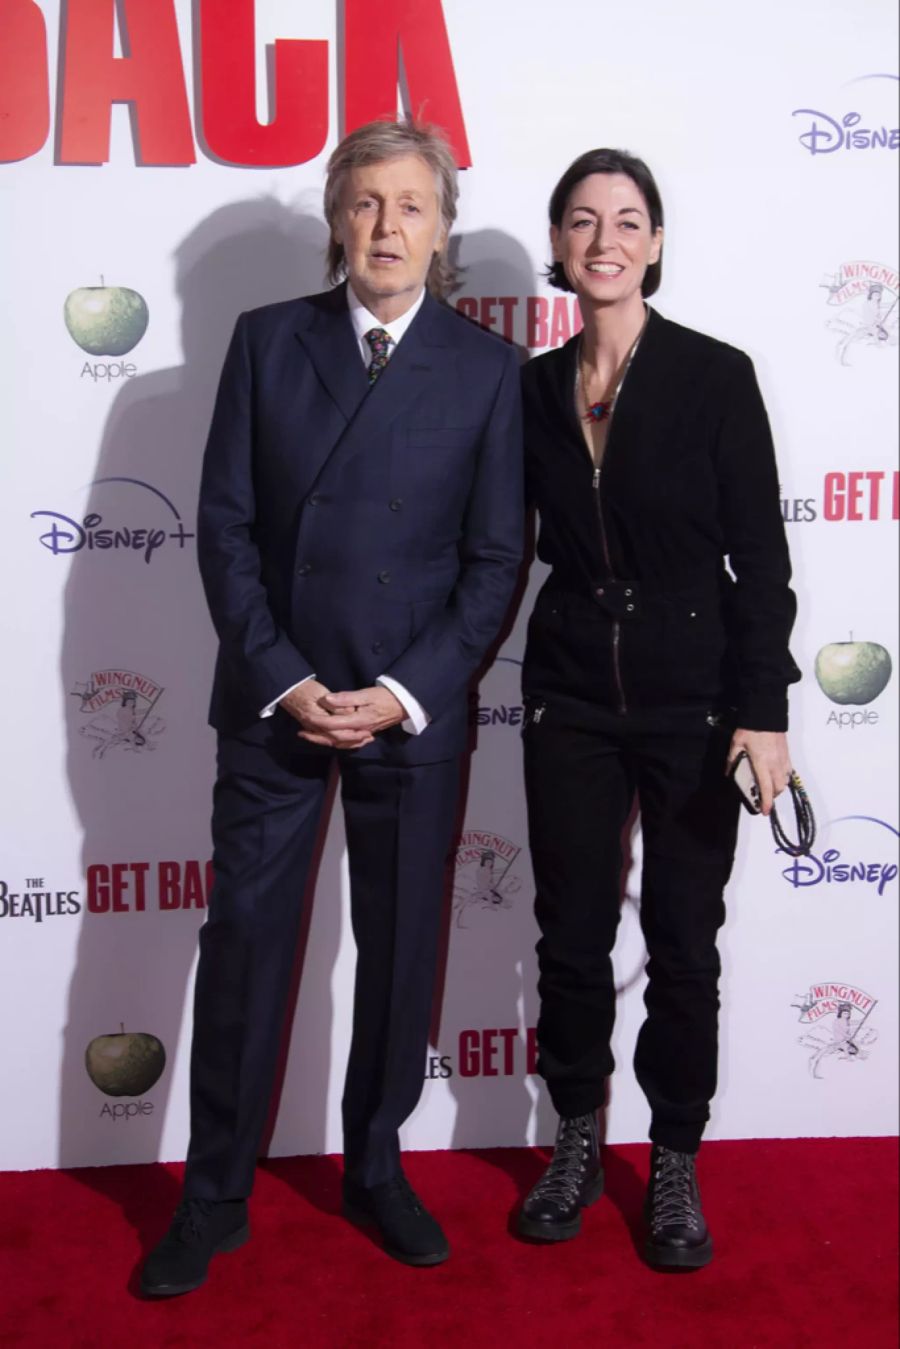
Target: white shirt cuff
(417, 719)
(267, 711)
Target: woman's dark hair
(607, 161)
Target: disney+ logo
(832, 867)
(66, 535)
(825, 134)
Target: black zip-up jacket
(640, 609)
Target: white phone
(744, 778)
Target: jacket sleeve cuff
(763, 712)
(417, 719)
(269, 709)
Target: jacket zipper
(616, 627)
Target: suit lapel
(406, 378)
(370, 410)
(330, 343)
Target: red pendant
(597, 411)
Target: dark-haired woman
(657, 651)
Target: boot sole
(679, 1257)
(419, 1261)
(538, 1231)
(230, 1243)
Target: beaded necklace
(598, 412)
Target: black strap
(806, 821)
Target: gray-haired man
(360, 532)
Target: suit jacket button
(397, 504)
(377, 648)
(315, 499)
(384, 577)
(304, 570)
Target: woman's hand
(770, 759)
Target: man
(360, 533)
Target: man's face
(389, 224)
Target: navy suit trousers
(267, 808)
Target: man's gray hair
(373, 144)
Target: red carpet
(806, 1255)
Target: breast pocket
(434, 462)
(441, 437)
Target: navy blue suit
(349, 532)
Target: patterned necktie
(380, 343)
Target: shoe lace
(562, 1180)
(674, 1191)
(191, 1218)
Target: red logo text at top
(150, 77)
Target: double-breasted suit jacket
(350, 532)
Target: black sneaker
(408, 1231)
(678, 1237)
(572, 1181)
(200, 1229)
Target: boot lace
(191, 1218)
(561, 1182)
(674, 1191)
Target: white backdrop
(781, 238)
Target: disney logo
(831, 870)
(826, 134)
(66, 535)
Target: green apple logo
(125, 1064)
(853, 672)
(106, 320)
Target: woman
(649, 667)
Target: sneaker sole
(537, 1231)
(679, 1257)
(231, 1243)
(423, 1261)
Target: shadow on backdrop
(141, 768)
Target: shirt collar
(363, 320)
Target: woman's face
(605, 242)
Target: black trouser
(267, 807)
(583, 765)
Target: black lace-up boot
(572, 1181)
(678, 1235)
(200, 1229)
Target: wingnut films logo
(853, 674)
(106, 321)
(836, 1024)
(125, 1063)
(859, 851)
(483, 880)
(865, 294)
(120, 708)
(826, 133)
(142, 520)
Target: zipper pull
(596, 482)
(538, 713)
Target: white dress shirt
(364, 321)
